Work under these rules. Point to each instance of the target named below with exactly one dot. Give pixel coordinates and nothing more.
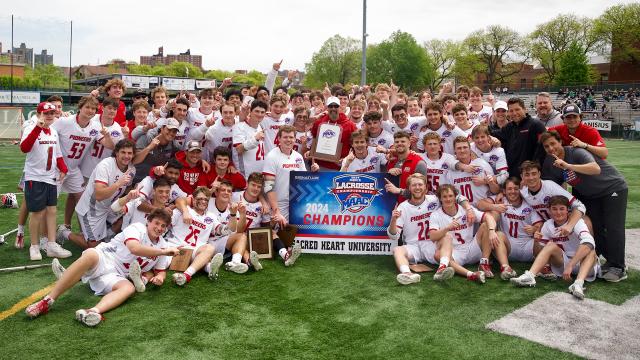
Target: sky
(253, 34)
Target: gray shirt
(553, 119)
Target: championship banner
(341, 213)
(600, 125)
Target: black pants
(608, 214)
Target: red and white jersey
(463, 234)
(299, 135)
(271, 126)
(446, 138)
(145, 187)
(280, 165)
(468, 131)
(254, 212)
(384, 139)
(513, 221)
(118, 254)
(131, 214)
(195, 118)
(218, 135)
(193, 235)
(250, 160)
(570, 243)
(463, 181)
(76, 141)
(29, 122)
(40, 163)
(106, 172)
(438, 169)
(415, 219)
(222, 218)
(540, 200)
(495, 157)
(370, 164)
(98, 151)
(414, 124)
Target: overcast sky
(253, 34)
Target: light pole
(363, 70)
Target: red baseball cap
(44, 107)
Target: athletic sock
(579, 282)
(404, 269)
(484, 261)
(207, 268)
(236, 258)
(66, 233)
(49, 300)
(444, 261)
(503, 266)
(21, 229)
(282, 252)
(190, 271)
(469, 273)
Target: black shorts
(38, 195)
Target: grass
(324, 307)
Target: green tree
(443, 54)
(402, 60)
(574, 67)
(183, 69)
(139, 69)
(337, 61)
(253, 77)
(619, 27)
(218, 74)
(49, 76)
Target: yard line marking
(26, 302)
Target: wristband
(233, 214)
(586, 146)
(490, 229)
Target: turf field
(324, 307)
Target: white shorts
(94, 228)
(468, 254)
(590, 277)
(104, 276)
(219, 244)
(422, 251)
(73, 182)
(521, 250)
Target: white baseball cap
(500, 105)
(333, 100)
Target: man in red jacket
(335, 117)
(405, 162)
(192, 174)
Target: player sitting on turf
(572, 254)
(138, 253)
(135, 208)
(468, 248)
(412, 218)
(518, 222)
(171, 172)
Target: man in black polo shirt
(519, 137)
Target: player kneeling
(412, 218)
(567, 255)
(116, 269)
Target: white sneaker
(577, 291)
(526, 279)
(179, 278)
(135, 274)
(238, 268)
(255, 260)
(57, 268)
(408, 278)
(215, 264)
(443, 273)
(61, 234)
(88, 318)
(55, 250)
(292, 255)
(34, 253)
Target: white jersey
(496, 158)
(76, 141)
(193, 235)
(570, 243)
(131, 214)
(438, 169)
(98, 151)
(446, 138)
(106, 172)
(370, 164)
(145, 187)
(482, 115)
(513, 221)
(463, 181)
(415, 219)
(195, 118)
(250, 160)
(384, 139)
(280, 165)
(540, 200)
(218, 135)
(468, 131)
(30, 122)
(463, 234)
(414, 124)
(118, 254)
(271, 126)
(41, 161)
(222, 218)
(299, 137)
(254, 213)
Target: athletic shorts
(468, 254)
(521, 250)
(73, 182)
(219, 244)
(104, 276)
(38, 195)
(590, 277)
(422, 251)
(94, 228)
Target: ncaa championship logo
(354, 192)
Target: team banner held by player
(341, 213)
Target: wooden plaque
(288, 234)
(261, 241)
(181, 261)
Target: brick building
(161, 59)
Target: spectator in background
(545, 111)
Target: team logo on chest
(493, 159)
(446, 133)
(354, 192)
(115, 133)
(93, 132)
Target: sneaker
(89, 318)
(486, 269)
(615, 274)
(19, 244)
(57, 268)
(215, 264)
(62, 234)
(477, 276)
(408, 278)
(547, 274)
(255, 261)
(507, 273)
(36, 309)
(135, 274)
(43, 243)
(55, 250)
(292, 255)
(577, 291)
(443, 273)
(526, 279)
(238, 268)
(34, 253)
(181, 278)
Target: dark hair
(283, 88)
(398, 107)
(206, 92)
(516, 100)
(54, 98)
(226, 182)
(479, 130)
(161, 181)
(183, 101)
(87, 100)
(256, 177)
(123, 144)
(459, 107)
(297, 94)
(558, 200)
(262, 87)
(548, 135)
(259, 103)
(109, 101)
(528, 165)
(513, 179)
(341, 92)
(221, 151)
(401, 134)
(159, 214)
(174, 164)
(232, 92)
(372, 116)
(358, 134)
(443, 187)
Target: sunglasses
(333, 106)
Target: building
(161, 59)
(18, 70)
(43, 58)
(23, 54)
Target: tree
(253, 77)
(619, 26)
(183, 69)
(402, 60)
(552, 39)
(574, 67)
(443, 55)
(139, 69)
(495, 47)
(49, 76)
(337, 61)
